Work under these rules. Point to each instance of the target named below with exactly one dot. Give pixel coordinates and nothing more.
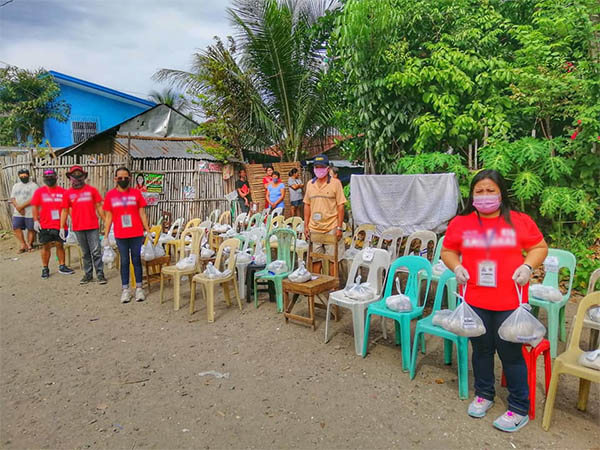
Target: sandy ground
(80, 370)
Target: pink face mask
(487, 204)
(321, 172)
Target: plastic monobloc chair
(567, 363)
(451, 283)
(556, 310)
(209, 284)
(414, 265)
(377, 268)
(255, 220)
(176, 273)
(394, 235)
(425, 326)
(286, 251)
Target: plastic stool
(531, 357)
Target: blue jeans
(89, 241)
(131, 246)
(515, 369)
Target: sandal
(22, 250)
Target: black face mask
(50, 181)
(24, 179)
(124, 184)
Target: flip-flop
(31, 249)
(22, 250)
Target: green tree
(170, 97)
(27, 99)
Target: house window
(83, 130)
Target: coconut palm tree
(169, 97)
(269, 83)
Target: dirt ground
(80, 370)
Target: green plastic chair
(286, 251)
(425, 326)
(254, 220)
(414, 265)
(556, 310)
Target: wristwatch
(530, 268)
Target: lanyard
(123, 200)
(489, 239)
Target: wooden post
(129, 150)
(470, 162)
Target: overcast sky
(115, 43)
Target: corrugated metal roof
(189, 148)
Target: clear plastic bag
(594, 313)
(159, 251)
(230, 233)
(221, 228)
(399, 302)
(187, 263)
(206, 252)
(441, 316)
(164, 238)
(301, 243)
(464, 321)
(108, 256)
(545, 292)
(278, 266)
(521, 326)
(439, 268)
(360, 291)
(300, 275)
(212, 272)
(71, 238)
(147, 252)
(243, 258)
(260, 258)
(590, 359)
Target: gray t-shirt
(295, 194)
(22, 192)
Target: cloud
(115, 43)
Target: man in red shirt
(47, 204)
(84, 203)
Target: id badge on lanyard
(126, 221)
(55, 214)
(487, 270)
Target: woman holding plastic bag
(484, 247)
(124, 207)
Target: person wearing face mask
(124, 206)
(276, 192)
(484, 246)
(324, 209)
(47, 204)
(22, 217)
(266, 181)
(84, 203)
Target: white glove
(522, 275)
(462, 276)
(36, 226)
(61, 234)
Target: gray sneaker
(479, 407)
(125, 296)
(139, 295)
(511, 422)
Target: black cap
(321, 160)
(22, 171)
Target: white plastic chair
(425, 237)
(395, 235)
(369, 230)
(377, 268)
(239, 222)
(277, 212)
(214, 216)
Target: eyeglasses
(122, 178)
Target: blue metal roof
(62, 76)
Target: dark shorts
(22, 223)
(297, 203)
(49, 235)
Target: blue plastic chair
(556, 310)
(425, 326)
(414, 265)
(451, 284)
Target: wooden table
(311, 289)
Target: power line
(6, 3)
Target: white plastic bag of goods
(521, 326)
(440, 317)
(159, 251)
(147, 252)
(464, 321)
(260, 258)
(108, 256)
(428, 201)
(300, 275)
(399, 302)
(545, 292)
(278, 266)
(212, 272)
(206, 252)
(360, 291)
(594, 313)
(187, 263)
(590, 359)
(439, 268)
(71, 238)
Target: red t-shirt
(50, 202)
(83, 207)
(492, 240)
(125, 207)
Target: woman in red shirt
(124, 207)
(484, 247)
(266, 181)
